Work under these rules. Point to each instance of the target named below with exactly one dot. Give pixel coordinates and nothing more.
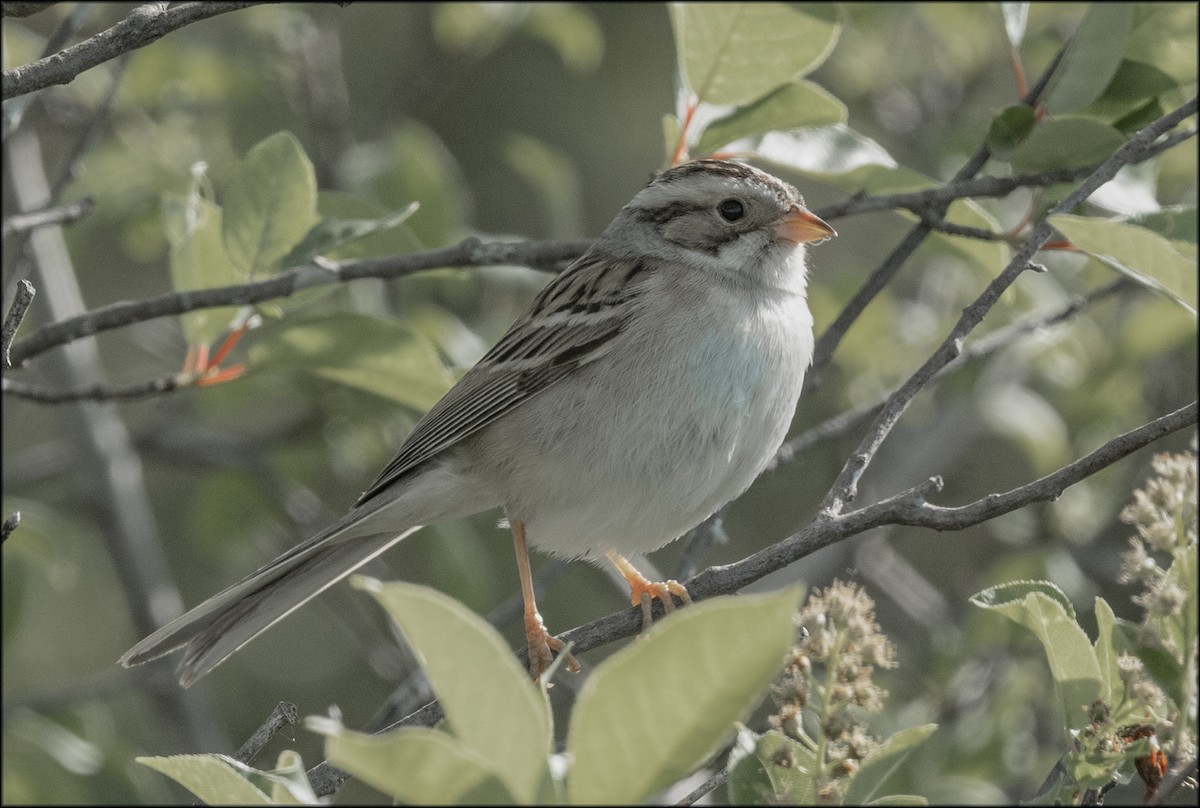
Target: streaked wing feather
(569, 324)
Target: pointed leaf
(378, 356)
(414, 765)
(1092, 57)
(1106, 654)
(1065, 142)
(1137, 253)
(215, 779)
(1010, 126)
(1041, 607)
(657, 708)
(270, 205)
(328, 234)
(491, 705)
(883, 762)
(733, 53)
(290, 781)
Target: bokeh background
(540, 121)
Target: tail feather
(225, 622)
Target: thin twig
(827, 342)
(97, 392)
(143, 25)
(12, 321)
(10, 524)
(982, 348)
(63, 214)
(845, 486)
(470, 252)
(285, 714)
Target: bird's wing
(571, 323)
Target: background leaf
(383, 357)
(632, 734)
(732, 53)
(270, 204)
(1041, 607)
(490, 704)
(1092, 57)
(1137, 253)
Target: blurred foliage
(540, 121)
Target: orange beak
(801, 227)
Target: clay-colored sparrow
(646, 386)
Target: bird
(647, 385)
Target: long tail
(228, 620)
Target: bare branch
(145, 24)
(827, 342)
(22, 222)
(1045, 489)
(98, 392)
(984, 347)
(845, 487)
(12, 322)
(285, 714)
(10, 524)
(470, 252)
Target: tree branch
(470, 252)
(145, 24)
(846, 485)
(21, 222)
(97, 392)
(828, 341)
(12, 321)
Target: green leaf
(733, 53)
(378, 356)
(501, 717)
(571, 30)
(270, 204)
(1176, 223)
(657, 708)
(793, 106)
(1106, 654)
(819, 150)
(1133, 83)
(198, 261)
(215, 779)
(328, 235)
(290, 781)
(553, 176)
(397, 240)
(883, 762)
(900, 799)
(1065, 142)
(1092, 57)
(1010, 126)
(1137, 253)
(414, 765)
(1041, 607)
(777, 770)
(1164, 36)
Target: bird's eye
(731, 210)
